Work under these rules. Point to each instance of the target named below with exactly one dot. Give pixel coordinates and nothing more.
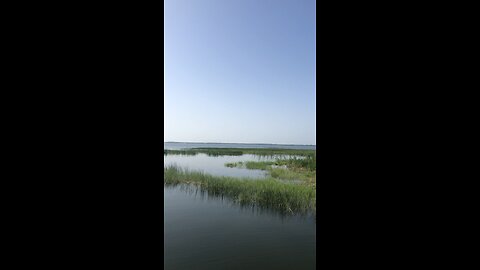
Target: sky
(240, 71)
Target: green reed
(242, 151)
(268, 193)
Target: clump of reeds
(269, 193)
(309, 162)
(258, 165)
(234, 164)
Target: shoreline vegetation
(294, 168)
(290, 186)
(242, 151)
(268, 193)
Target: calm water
(182, 145)
(216, 165)
(202, 232)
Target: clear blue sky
(240, 71)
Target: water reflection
(198, 193)
(203, 232)
(215, 165)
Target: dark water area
(211, 233)
(185, 145)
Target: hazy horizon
(240, 71)
(234, 143)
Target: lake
(205, 232)
(185, 145)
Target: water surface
(215, 165)
(209, 233)
(186, 145)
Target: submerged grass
(269, 193)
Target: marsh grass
(179, 152)
(210, 152)
(258, 165)
(302, 169)
(241, 151)
(269, 193)
(251, 165)
(285, 174)
(234, 164)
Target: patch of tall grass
(308, 163)
(179, 152)
(269, 193)
(213, 152)
(285, 174)
(241, 151)
(252, 165)
(303, 169)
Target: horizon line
(241, 143)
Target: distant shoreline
(247, 143)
